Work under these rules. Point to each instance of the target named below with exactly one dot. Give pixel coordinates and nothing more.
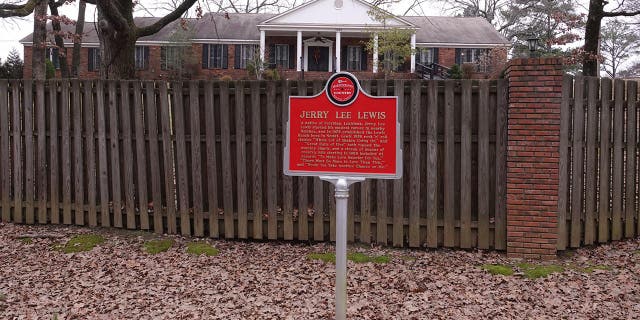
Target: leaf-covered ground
(118, 279)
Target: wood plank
(114, 146)
(18, 169)
(90, 151)
(65, 156)
(196, 159)
(241, 160)
(225, 152)
(414, 166)
(287, 181)
(432, 165)
(604, 212)
(167, 152)
(365, 194)
(141, 154)
(563, 184)
(303, 201)
(483, 166)
(127, 153)
(212, 176)
(103, 168)
(29, 152)
(618, 136)
(382, 185)
(41, 165)
(78, 162)
(256, 158)
(449, 165)
(318, 190)
(590, 186)
(631, 170)
(151, 105)
(500, 227)
(182, 175)
(272, 168)
(398, 184)
(53, 153)
(465, 166)
(577, 151)
(5, 151)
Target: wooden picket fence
(205, 159)
(598, 193)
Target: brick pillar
(535, 92)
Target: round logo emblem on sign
(342, 89)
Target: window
(52, 55)
(354, 58)
(94, 59)
(282, 55)
(171, 57)
(142, 58)
(244, 54)
(214, 56)
(425, 56)
(471, 55)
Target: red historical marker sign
(343, 131)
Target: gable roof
(243, 28)
(336, 13)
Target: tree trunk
(592, 38)
(62, 50)
(38, 49)
(117, 41)
(77, 41)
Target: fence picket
(196, 159)
(398, 185)
(77, 108)
(484, 178)
(103, 174)
(5, 151)
(225, 151)
(605, 162)
(500, 230)
(618, 132)
(563, 168)
(590, 185)
(449, 165)
(212, 162)
(29, 161)
(256, 155)
(272, 167)
(465, 166)
(182, 174)
(287, 181)
(241, 159)
(41, 165)
(127, 153)
(168, 159)
(382, 195)
(16, 124)
(631, 170)
(414, 166)
(141, 154)
(577, 152)
(432, 165)
(114, 146)
(303, 200)
(90, 151)
(154, 157)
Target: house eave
(462, 45)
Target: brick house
(318, 37)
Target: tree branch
(175, 14)
(621, 13)
(108, 9)
(8, 10)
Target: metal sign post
(343, 137)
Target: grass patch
(3, 297)
(157, 246)
(26, 240)
(533, 271)
(199, 248)
(80, 243)
(498, 269)
(597, 267)
(356, 257)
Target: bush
(455, 72)
(226, 77)
(50, 72)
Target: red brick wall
(447, 56)
(535, 91)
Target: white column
(338, 49)
(262, 37)
(413, 52)
(299, 52)
(375, 53)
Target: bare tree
(77, 40)
(617, 43)
(58, 37)
(38, 49)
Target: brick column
(535, 92)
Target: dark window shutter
(363, 60)
(225, 56)
(458, 58)
(272, 56)
(205, 56)
(91, 65)
(343, 58)
(146, 58)
(292, 56)
(56, 58)
(236, 55)
(436, 55)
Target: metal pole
(342, 199)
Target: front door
(318, 59)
